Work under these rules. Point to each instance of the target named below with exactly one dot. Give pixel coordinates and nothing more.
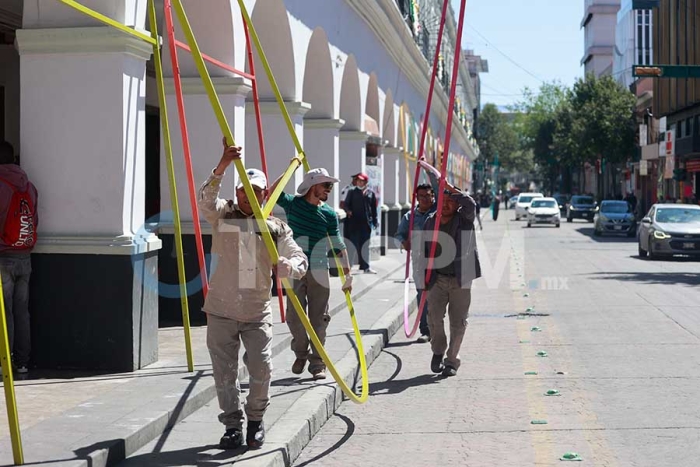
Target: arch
(217, 27)
(272, 25)
(389, 119)
(372, 100)
(350, 103)
(318, 77)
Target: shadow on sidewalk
(350, 430)
(206, 456)
(398, 386)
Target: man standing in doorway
(426, 206)
(238, 304)
(456, 265)
(361, 208)
(19, 218)
(314, 222)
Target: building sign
(670, 165)
(670, 143)
(643, 170)
(643, 135)
(693, 166)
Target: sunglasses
(327, 185)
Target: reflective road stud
(571, 456)
(542, 353)
(530, 373)
(539, 422)
(552, 392)
(536, 329)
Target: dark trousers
(423, 326)
(15, 271)
(359, 237)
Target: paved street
(622, 338)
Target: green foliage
(567, 127)
(497, 137)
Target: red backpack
(19, 231)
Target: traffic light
(679, 175)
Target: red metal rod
(214, 61)
(421, 152)
(186, 145)
(261, 142)
(446, 151)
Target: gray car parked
(614, 217)
(670, 229)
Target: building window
(689, 126)
(643, 37)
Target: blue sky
(542, 37)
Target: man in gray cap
(314, 222)
(238, 303)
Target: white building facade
(80, 107)
(633, 42)
(599, 21)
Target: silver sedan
(670, 229)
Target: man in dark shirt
(361, 207)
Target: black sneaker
(232, 439)
(436, 365)
(449, 371)
(255, 436)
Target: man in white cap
(313, 222)
(238, 304)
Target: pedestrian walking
(238, 303)
(426, 206)
(313, 222)
(456, 265)
(19, 218)
(361, 208)
(496, 206)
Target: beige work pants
(224, 337)
(447, 292)
(313, 292)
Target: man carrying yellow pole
(238, 303)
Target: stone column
(279, 147)
(94, 284)
(392, 161)
(205, 148)
(322, 145)
(353, 149)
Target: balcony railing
(424, 30)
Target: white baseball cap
(256, 177)
(314, 177)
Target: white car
(544, 211)
(523, 203)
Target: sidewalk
(75, 419)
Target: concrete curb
(297, 426)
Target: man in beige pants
(315, 225)
(456, 265)
(238, 303)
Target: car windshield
(581, 200)
(543, 204)
(615, 208)
(525, 199)
(677, 215)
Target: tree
(603, 123)
(496, 136)
(538, 124)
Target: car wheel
(558, 225)
(517, 217)
(642, 253)
(529, 225)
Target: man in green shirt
(313, 222)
